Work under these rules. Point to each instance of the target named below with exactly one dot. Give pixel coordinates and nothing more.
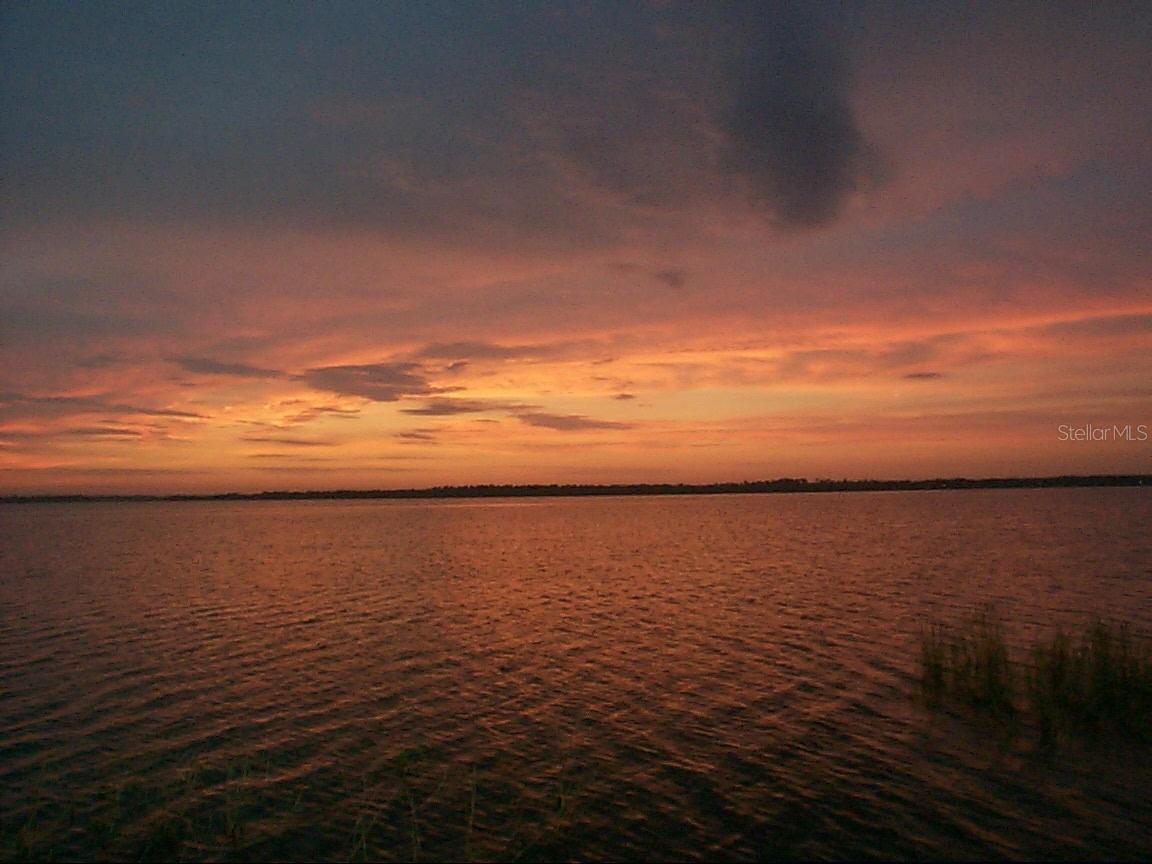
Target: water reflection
(666, 678)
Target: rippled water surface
(666, 678)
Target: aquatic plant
(1097, 681)
(1101, 680)
(969, 664)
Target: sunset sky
(257, 246)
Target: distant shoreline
(575, 490)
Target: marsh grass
(970, 665)
(1100, 680)
(1096, 681)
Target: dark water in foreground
(717, 678)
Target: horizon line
(497, 490)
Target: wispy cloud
(479, 351)
(567, 422)
(451, 407)
(204, 366)
(294, 458)
(418, 436)
(380, 382)
(23, 405)
(1102, 326)
(530, 415)
(102, 432)
(315, 412)
(288, 442)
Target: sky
(251, 246)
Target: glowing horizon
(444, 246)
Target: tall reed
(969, 664)
(1097, 680)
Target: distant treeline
(782, 484)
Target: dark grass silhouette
(1095, 682)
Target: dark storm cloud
(380, 382)
(203, 366)
(421, 117)
(923, 376)
(794, 143)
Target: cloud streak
(529, 415)
(480, 351)
(567, 422)
(23, 405)
(204, 366)
(452, 407)
(379, 382)
(288, 442)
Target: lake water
(658, 678)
